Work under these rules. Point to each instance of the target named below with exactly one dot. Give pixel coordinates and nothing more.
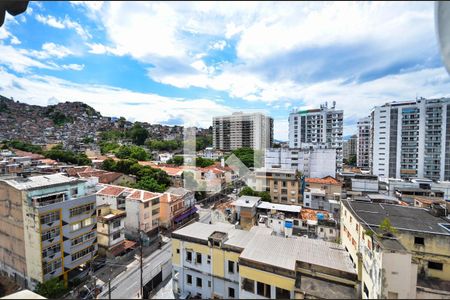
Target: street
(127, 284)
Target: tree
(176, 160)
(150, 184)
(109, 165)
(247, 156)
(352, 160)
(138, 134)
(164, 145)
(124, 165)
(265, 196)
(248, 191)
(52, 289)
(204, 162)
(201, 142)
(386, 227)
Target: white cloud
(15, 41)
(109, 100)
(50, 50)
(19, 61)
(62, 24)
(74, 67)
(97, 48)
(219, 45)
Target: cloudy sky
(175, 63)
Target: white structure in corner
(313, 161)
(317, 126)
(409, 139)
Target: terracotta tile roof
(111, 190)
(325, 180)
(429, 200)
(29, 154)
(75, 170)
(142, 195)
(311, 214)
(103, 176)
(48, 161)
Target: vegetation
(160, 145)
(52, 289)
(67, 156)
(247, 156)
(199, 161)
(24, 146)
(134, 152)
(148, 178)
(111, 135)
(351, 161)
(58, 117)
(88, 140)
(203, 141)
(138, 134)
(386, 227)
(248, 191)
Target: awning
(186, 214)
(122, 247)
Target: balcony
(45, 200)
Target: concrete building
(47, 228)
(110, 230)
(253, 130)
(411, 139)
(316, 199)
(415, 187)
(283, 185)
(245, 207)
(410, 257)
(311, 161)
(218, 261)
(331, 186)
(349, 147)
(173, 210)
(317, 126)
(363, 143)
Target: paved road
(127, 284)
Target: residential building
(218, 261)
(331, 186)
(253, 130)
(317, 126)
(283, 185)
(142, 209)
(411, 139)
(356, 184)
(245, 207)
(47, 228)
(311, 161)
(363, 143)
(349, 147)
(210, 153)
(111, 231)
(316, 199)
(406, 189)
(412, 256)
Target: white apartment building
(313, 161)
(349, 147)
(363, 143)
(253, 130)
(409, 139)
(317, 126)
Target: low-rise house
(316, 198)
(245, 207)
(399, 251)
(331, 186)
(219, 261)
(111, 231)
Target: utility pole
(109, 282)
(140, 259)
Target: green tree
(164, 145)
(247, 155)
(109, 165)
(150, 184)
(248, 191)
(176, 160)
(52, 289)
(124, 165)
(204, 162)
(203, 141)
(111, 135)
(132, 151)
(386, 226)
(88, 140)
(265, 196)
(138, 134)
(352, 160)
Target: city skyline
(187, 62)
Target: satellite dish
(442, 22)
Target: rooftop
(24, 294)
(401, 217)
(247, 201)
(429, 200)
(325, 180)
(142, 195)
(279, 207)
(111, 190)
(179, 191)
(34, 182)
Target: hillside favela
(224, 150)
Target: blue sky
(183, 63)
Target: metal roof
(34, 182)
(279, 207)
(246, 201)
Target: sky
(181, 63)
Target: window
(52, 250)
(435, 265)
(50, 234)
(208, 261)
(76, 211)
(155, 201)
(116, 224)
(155, 211)
(178, 251)
(50, 218)
(209, 283)
(263, 289)
(116, 235)
(49, 267)
(419, 240)
(189, 256)
(230, 292)
(83, 253)
(146, 204)
(237, 267)
(282, 293)
(231, 266)
(83, 238)
(331, 231)
(199, 282)
(248, 285)
(199, 258)
(321, 229)
(189, 279)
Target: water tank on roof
(320, 216)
